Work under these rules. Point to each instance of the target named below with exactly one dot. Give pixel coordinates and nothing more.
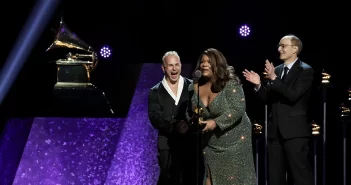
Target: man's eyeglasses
(283, 45)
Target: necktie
(285, 72)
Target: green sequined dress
(228, 149)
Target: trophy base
(79, 100)
(73, 73)
(60, 85)
(315, 133)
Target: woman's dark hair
(222, 72)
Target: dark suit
(175, 150)
(288, 127)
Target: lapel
(279, 70)
(293, 72)
(162, 93)
(184, 94)
(166, 99)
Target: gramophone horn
(65, 38)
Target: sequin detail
(228, 152)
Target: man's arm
(156, 116)
(295, 92)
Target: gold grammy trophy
(344, 111)
(73, 92)
(73, 70)
(199, 111)
(315, 128)
(198, 117)
(325, 79)
(257, 128)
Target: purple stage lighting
(105, 52)
(244, 31)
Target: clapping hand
(252, 77)
(270, 70)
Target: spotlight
(105, 52)
(244, 30)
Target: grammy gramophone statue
(315, 128)
(199, 111)
(325, 79)
(256, 128)
(198, 117)
(75, 69)
(74, 94)
(344, 111)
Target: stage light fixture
(244, 30)
(105, 52)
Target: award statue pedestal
(75, 96)
(79, 100)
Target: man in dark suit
(287, 90)
(167, 107)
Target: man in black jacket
(287, 91)
(167, 106)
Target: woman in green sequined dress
(227, 153)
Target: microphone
(198, 113)
(198, 74)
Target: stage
(57, 150)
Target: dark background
(142, 31)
